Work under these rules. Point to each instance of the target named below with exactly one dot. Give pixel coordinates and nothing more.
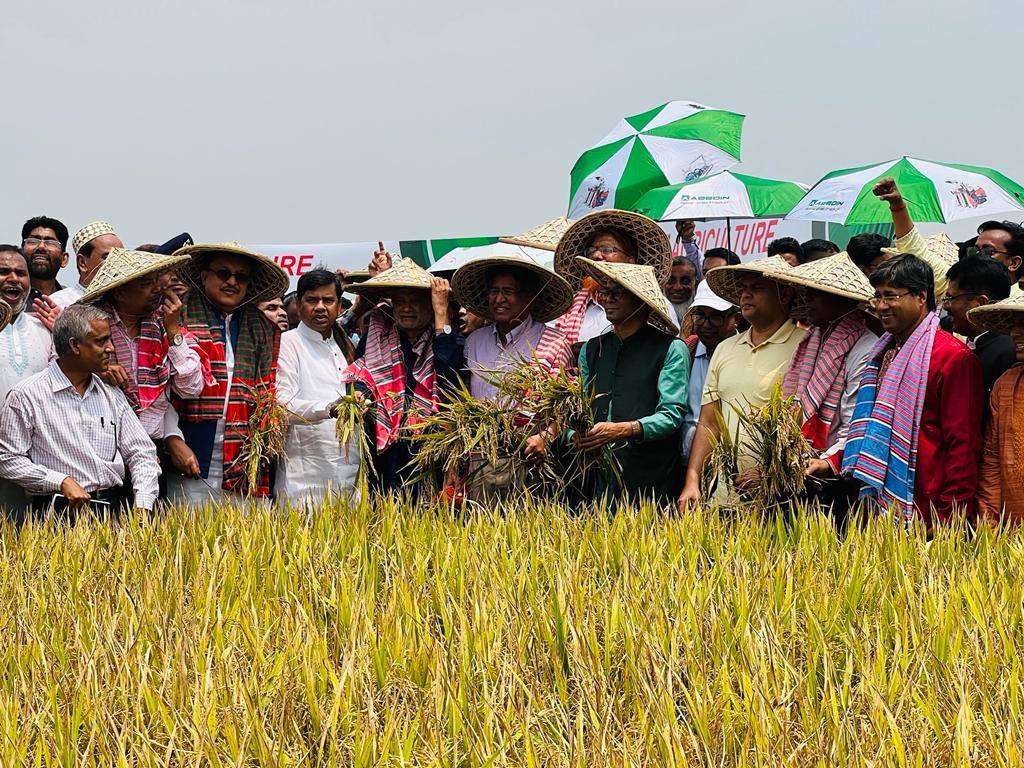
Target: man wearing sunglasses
(242, 346)
(639, 373)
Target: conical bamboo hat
(405, 274)
(640, 280)
(999, 316)
(268, 280)
(122, 266)
(652, 244)
(469, 285)
(545, 236)
(836, 274)
(5, 314)
(725, 281)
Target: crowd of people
(140, 382)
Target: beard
(46, 271)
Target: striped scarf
(881, 447)
(152, 369)
(553, 350)
(255, 366)
(382, 371)
(572, 321)
(817, 375)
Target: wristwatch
(177, 339)
(445, 329)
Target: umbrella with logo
(676, 142)
(936, 192)
(722, 196)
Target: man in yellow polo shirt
(744, 368)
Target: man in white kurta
(25, 347)
(309, 369)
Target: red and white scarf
(817, 375)
(572, 321)
(382, 371)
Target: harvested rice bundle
(464, 427)
(268, 426)
(773, 443)
(559, 398)
(349, 427)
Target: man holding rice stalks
(218, 450)
(638, 372)
(1001, 480)
(914, 441)
(309, 369)
(618, 237)
(825, 372)
(407, 354)
(743, 372)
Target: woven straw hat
(405, 274)
(638, 279)
(357, 276)
(268, 280)
(725, 281)
(122, 266)
(651, 241)
(545, 237)
(90, 232)
(5, 314)
(836, 275)
(999, 316)
(469, 284)
(938, 245)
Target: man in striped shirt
(66, 435)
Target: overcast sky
(313, 121)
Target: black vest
(629, 371)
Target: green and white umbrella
(676, 142)
(722, 196)
(938, 192)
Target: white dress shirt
(309, 371)
(48, 432)
(25, 348)
(65, 297)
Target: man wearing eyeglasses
(914, 441)
(44, 241)
(709, 321)
(242, 347)
(975, 282)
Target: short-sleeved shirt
(743, 375)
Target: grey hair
(75, 322)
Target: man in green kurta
(639, 372)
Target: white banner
(749, 238)
(296, 260)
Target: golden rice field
(388, 637)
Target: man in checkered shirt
(64, 432)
